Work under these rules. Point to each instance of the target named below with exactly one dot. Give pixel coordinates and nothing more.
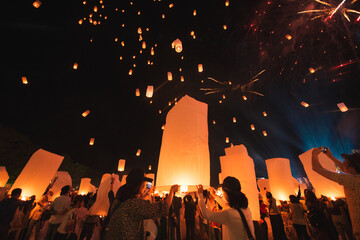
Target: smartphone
(148, 185)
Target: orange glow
(311, 70)
(149, 91)
(182, 78)
(200, 68)
(80, 21)
(149, 167)
(252, 127)
(169, 76)
(121, 165)
(75, 66)
(84, 114)
(244, 97)
(224, 27)
(95, 9)
(143, 45)
(152, 51)
(234, 119)
(137, 92)
(342, 107)
(24, 80)
(4, 176)
(177, 45)
(227, 3)
(37, 4)
(85, 186)
(264, 133)
(194, 12)
(227, 140)
(288, 37)
(130, 72)
(305, 104)
(123, 43)
(264, 113)
(138, 152)
(214, 122)
(139, 30)
(171, 5)
(92, 141)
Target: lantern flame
(37, 4)
(200, 68)
(24, 80)
(342, 107)
(138, 152)
(84, 114)
(304, 104)
(92, 141)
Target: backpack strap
(251, 237)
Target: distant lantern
(116, 39)
(182, 78)
(234, 119)
(163, 16)
(264, 133)
(227, 3)
(24, 80)
(121, 57)
(169, 76)
(304, 104)
(152, 52)
(149, 167)
(75, 66)
(171, 5)
(311, 70)
(139, 12)
(192, 33)
(288, 37)
(244, 97)
(227, 140)
(214, 122)
(139, 30)
(223, 96)
(143, 45)
(178, 45)
(148, 62)
(138, 152)
(252, 127)
(37, 4)
(180, 69)
(149, 91)
(84, 114)
(130, 72)
(84, 2)
(159, 111)
(342, 107)
(92, 141)
(123, 25)
(264, 113)
(123, 43)
(200, 68)
(162, 127)
(194, 12)
(95, 9)
(137, 92)
(224, 27)
(80, 21)
(121, 165)
(169, 103)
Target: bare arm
(173, 190)
(338, 163)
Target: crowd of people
(137, 212)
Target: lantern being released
(121, 166)
(264, 186)
(177, 45)
(322, 185)
(238, 164)
(184, 155)
(85, 186)
(280, 178)
(4, 176)
(60, 180)
(37, 173)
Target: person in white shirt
(60, 206)
(232, 225)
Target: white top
(233, 227)
(60, 205)
(69, 216)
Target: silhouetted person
(190, 210)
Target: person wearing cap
(350, 179)
(130, 209)
(230, 217)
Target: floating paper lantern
(138, 152)
(169, 103)
(123, 180)
(200, 68)
(137, 92)
(162, 127)
(264, 133)
(234, 119)
(85, 186)
(4, 176)
(149, 167)
(184, 155)
(95, 8)
(244, 97)
(75, 66)
(149, 91)
(80, 21)
(121, 165)
(163, 16)
(123, 43)
(311, 70)
(304, 104)
(37, 4)
(171, 5)
(288, 37)
(84, 114)
(252, 127)
(143, 45)
(182, 78)
(24, 80)
(224, 27)
(214, 122)
(223, 96)
(264, 114)
(148, 62)
(62, 179)
(227, 140)
(238, 164)
(152, 52)
(139, 30)
(178, 46)
(192, 33)
(227, 3)
(342, 107)
(121, 57)
(194, 12)
(37, 173)
(169, 76)
(322, 185)
(116, 39)
(92, 141)
(130, 72)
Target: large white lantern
(61, 179)
(4, 176)
(85, 186)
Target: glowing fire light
(342, 107)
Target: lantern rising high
(121, 166)
(177, 45)
(149, 91)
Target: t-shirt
(69, 217)
(60, 205)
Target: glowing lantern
(116, 39)
(85, 186)
(311, 70)
(139, 30)
(104, 177)
(244, 97)
(162, 127)
(152, 51)
(192, 33)
(138, 152)
(322, 185)
(37, 173)
(264, 133)
(194, 12)
(121, 57)
(102, 204)
(24, 80)
(130, 72)
(169, 103)
(143, 45)
(149, 167)
(342, 107)
(4, 176)
(280, 178)
(163, 16)
(80, 21)
(227, 3)
(149, 91)
(169, 76)
(62, 179)
(171, 5)
(178, 46)
(121, 165)
(200, 68)
(37, 4)
(92, 141)
(95, 9)
(214, 122)
(180, 69)
(237, 163)
(182, 78)
(223, 96)
(159, 111)
(139, 13)
(137, 92)
(148, 62)
(304, 104)
(227, 139)
(224, 27)
(84, 114)
(264, 113)
(184, 155)
(288, 37)
(123, 43)
(252, 127)
(75, 66)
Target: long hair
(237, 199)
(128, 191)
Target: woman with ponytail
(236, 216)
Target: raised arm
(338, 163)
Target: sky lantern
(149, 167)
(143, 45)
(223, 96)
(139, 30)
(322, 185)
(252, 127)
(138, 152)
(171, 5)
(163, 16)
(104, 177)
(238, 164)
(234, 119)
(75, 66)
(169, 76)
(342, 107)
(280, 178)
(85, 186)
(304, 104)
(311, 70)
(152, 52)
(264, 114)
(214, 122)
(63, 178)
(137, 92)
(80, 21)
(148, 62)
(192, 33)
(264, 133)
(37, 4)
(123, 43)
(116, 39)
(92, 141)
(37, 173)
(121, 165)
(162, 127)
(184, 156)
(24, 80)
(224, 27)
(182, 78)
(4, 176)
(178, 46)
(288, 37)
(244, 97)
(227, 140)
(149, 91)
(194, 12)
(121, 57)
(200, 68)
(84, 114)
(95, 8)
(130, 72)
(227, 3)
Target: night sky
(315, 61)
